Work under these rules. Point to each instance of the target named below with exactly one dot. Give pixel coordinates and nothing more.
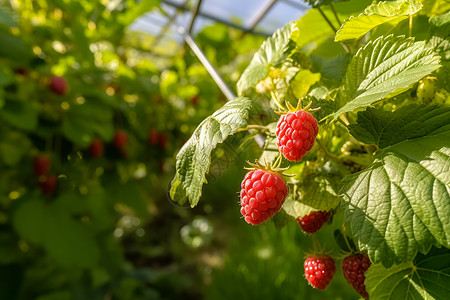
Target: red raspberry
(41, 164)
(296, 133)
(319, 270)
(58, 85)
(48, 184)
(153, 137)
(314, 221)
(120, 139)
(354, 267)
(96, 148)
(262, 195)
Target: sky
(240, 12)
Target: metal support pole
(261, 13)
(229, 94)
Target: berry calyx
(353, 268)
(58, 85)
(313, 221)
(96, 148)
(41, 164)
(319, 270)
(296, 132)
(263, 192)
(48, 184)
(120, 139)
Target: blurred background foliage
(108, 229)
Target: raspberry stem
(328, 154)
(275, 98)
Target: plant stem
(344, 233)
(410, 25)
(326, 19)
(253, 127)
(328, 154)
(334, 12)
(275, 98)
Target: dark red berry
(96, 148)
(353, 268)
(319, 270)
(58, 85)
(41, 164)
(153, 137)
(296, 133)
(163, 141)
(314, 221)
(48, 184)
(194, 100)
(120, 139)
(262, 195)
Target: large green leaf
(427, 277)
(68, 241)
(318, 192)
(312, 28)
(194, 158)
(377, 14)
(399, 204)
(386, 66)
(272, 52)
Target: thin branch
(410, 25)
(335, 13)
(326, 19)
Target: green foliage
(270, 55)
(407, 182)
(375, 15)
(380, 155)
(385, 67)
(426, 277)
(193, 160)
(317, 192)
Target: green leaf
(272, 52)
(303, 35)
(427, 277)
(303, 81)
(398, 205)
(7, 17)
(384, 67)
(384, 128)
(138, 10)
(392, 12)
(20, 114)
(17, 49)
(194, 158)
(440, 39)
(13, 146)
(66, 240)
(318, 192)
(83, 122)
(435, 7)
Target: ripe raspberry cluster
(314, 221)
(262, 195)
(319, 270)
(296, 133)
(353, 268)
